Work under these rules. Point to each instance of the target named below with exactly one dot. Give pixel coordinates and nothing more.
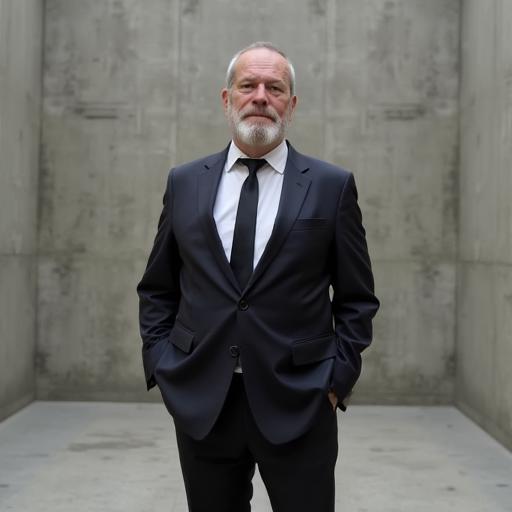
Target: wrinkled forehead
(262, 63)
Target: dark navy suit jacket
(295, 342)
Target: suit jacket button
(234, 351)
(242, 305)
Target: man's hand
(333, 399)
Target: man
(240, 334)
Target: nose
(260, 95)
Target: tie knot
(253, 164)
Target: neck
(256, 151)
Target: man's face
(259, 104)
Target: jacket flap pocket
(314, 349)
(181, 338)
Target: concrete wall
(484, 312)
(130, 90)
(20, 92)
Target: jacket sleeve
(354, 303)
(159, 289)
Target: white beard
(254, 133)
(258, 135)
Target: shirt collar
(275, 158)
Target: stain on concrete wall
(377, 86)
(391, 118)
(108, 139)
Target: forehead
(261, 63)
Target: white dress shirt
(270, 183)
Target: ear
(225, 98)
(293, 104)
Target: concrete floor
(111, 457)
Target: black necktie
(242, 251)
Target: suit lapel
(295, 188)
(293, 193)
(207, 184)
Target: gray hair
(230, 73)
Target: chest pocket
(313, 223)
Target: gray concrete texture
(484, 297)
(20, 98)
(129, 91)
(83, 457)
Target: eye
(275, 89)
(245, 86)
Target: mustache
(266, 112)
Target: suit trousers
(218, 470)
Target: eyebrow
(252, 78)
